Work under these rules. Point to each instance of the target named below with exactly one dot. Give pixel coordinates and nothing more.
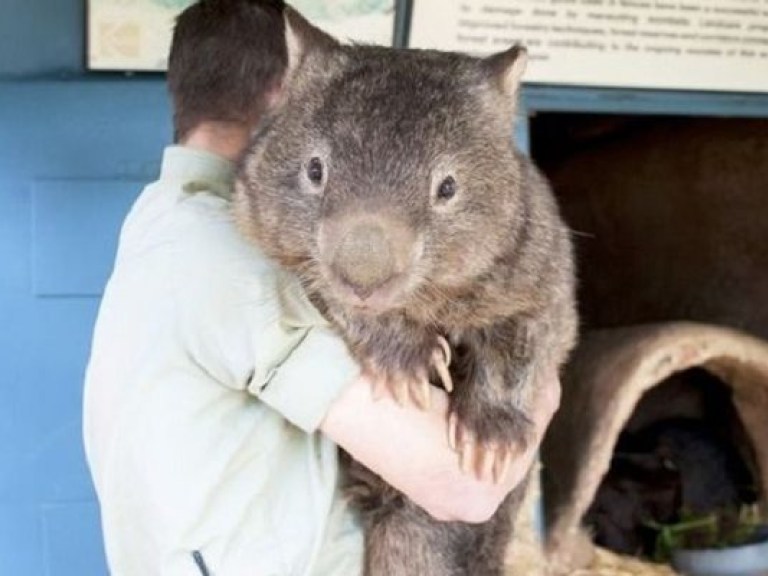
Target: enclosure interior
(668, 219)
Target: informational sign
(719, 45)
(136, 34)
(369, 21)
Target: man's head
(226, 63)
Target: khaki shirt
(209, 375)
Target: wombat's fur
(388, 182)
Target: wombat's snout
(364, 259)
(367, 254)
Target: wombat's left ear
(506, 69)
(302, 40)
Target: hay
(526, 556)
(606, 563)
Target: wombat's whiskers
(571, 231)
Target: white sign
(136, 34)
(719, 45)
(369, 21)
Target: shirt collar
(202, 171)
(198, 170)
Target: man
(216, 394)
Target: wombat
(387, 181)
(638, 491)
(673, 467)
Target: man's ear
(505, 71)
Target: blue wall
(39, 37)
(75, 150)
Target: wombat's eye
(315, 171)
(447, 189)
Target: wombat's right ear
(506, 70)
(301, 41)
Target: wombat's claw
(380, 388)
(445, 348)
(502, 466)
(403, 389)
(399, 389)
(453, 431)
(422, 394)
(417, 390)
(487, 461)
(441, 359)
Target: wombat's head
(386, 179)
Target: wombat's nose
(364, 259)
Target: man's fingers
(545, 403)
(549, 395)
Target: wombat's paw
(411, 383)
(402, 385)
(489, 440)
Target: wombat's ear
(506, 69)
(301, 40)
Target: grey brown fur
(394, 266)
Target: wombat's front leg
(494, 372)
(401, 358)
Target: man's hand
(409, 448)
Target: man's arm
(408, 447)
(302, 369)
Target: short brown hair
(226, 57)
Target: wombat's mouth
(384, 298)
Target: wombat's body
(388, 183)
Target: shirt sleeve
(251, 327)
(303, 386)
(306, 383)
